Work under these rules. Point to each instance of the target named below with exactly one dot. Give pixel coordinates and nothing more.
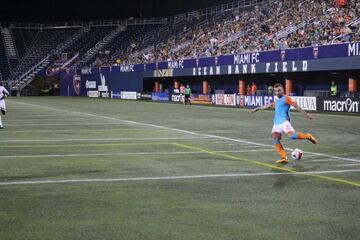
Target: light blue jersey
(282, 109)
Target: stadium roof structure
(83, 15)
(45, 11)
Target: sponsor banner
(326, 64)
(177, 98)
(254, 101)
(201, 99)
(93, 94)
(160, 96)
(330, 104)
(115, 94)
(225, 99)
(105, 94)
(90, 84)
(144, 96)
(306, 103)
(163, 73)
(103, 87)
(128, 95)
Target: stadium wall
(80, 81)
(294, 62)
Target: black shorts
(187, 96)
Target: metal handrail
(35, 66)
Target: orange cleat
(311, 138)
(283, 160)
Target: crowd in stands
(280, 25)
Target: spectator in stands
(281, 24)
(333, 89)
(253, 89)
(270, 90)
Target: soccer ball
(297, 154)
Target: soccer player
(187, 94)
(282, 121)
(3, 94)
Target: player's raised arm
(267, 106)
(299, 109)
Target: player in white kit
(3, 94)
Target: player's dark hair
(278, 85)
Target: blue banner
(254, 101)
(105, 79)
(160, 96)
(296, 54)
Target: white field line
(308, 155)
(237, 144)
(323, 160)
(125, 153)
(183, 131)
(113, 180)
(99, 139)
(348, 165)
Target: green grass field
(79, 168)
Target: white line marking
(237, 144)
(126, 153)
(99, 139)
(308, 155)
(348, 165)
(323, 160)
(112, 180)
(183, 131)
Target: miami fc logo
(77, 84)
(316, 52)
(283, 55)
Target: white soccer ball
(297, 154)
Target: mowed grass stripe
(78, 130)
(99, 139)
(126, 153)
(178, 130)
(64, 124)
(188, 177)
(332, 179)
(83, 145)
